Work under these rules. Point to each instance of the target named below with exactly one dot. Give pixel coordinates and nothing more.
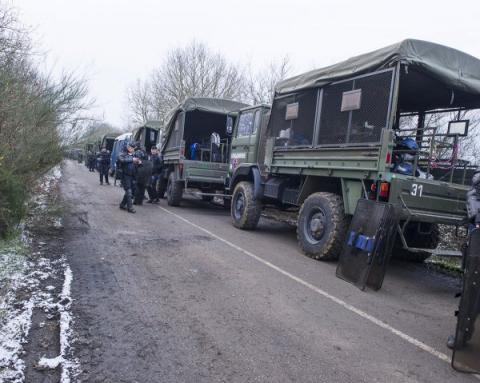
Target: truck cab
(249, 135)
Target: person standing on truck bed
(103, 159)
(128, 163)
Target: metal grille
(363, 125)
(297, 131)
(367, 122)
(334, 122)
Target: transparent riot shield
(368, 246)
(466, 354)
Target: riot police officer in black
(153, 195)
(103, 160)
(128, 165)
(473, 213)
(142, 175)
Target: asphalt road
(180, 295)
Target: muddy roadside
(35, 300)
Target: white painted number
(417, 190)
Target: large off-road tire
(322, 226)
(174, 190)
(245, 210)
(428, 240)
(161, 187)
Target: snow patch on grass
(21, 291)
(70, 366)
(13, 334)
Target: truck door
(243, 145)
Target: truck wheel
(415, 239)
(322, 226)
(174, 191)
(161, 187)
(245, 210)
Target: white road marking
(417, 343)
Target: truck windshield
(245, 124)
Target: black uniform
(103, 160)
(473, 213)
(125, 161)
(156, 160)
(91, 161)
(142, 176)
(473, 200)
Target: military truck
(196, 149)
(118, 144)
(388, 126)
(107, 141)
(148, 135)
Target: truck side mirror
(229, 127)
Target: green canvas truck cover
(455, 69)
(153, 124)
(212, 105)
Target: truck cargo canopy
(204, 104)
(456, 70)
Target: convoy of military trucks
(385, 128)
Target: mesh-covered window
(294, 128)
(367, 122)
(245, 124)
(362, 123)
(334, 122)
(176, 135)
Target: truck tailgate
(203, 171)
(429, 200)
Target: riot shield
(466, 352)
(366, 252)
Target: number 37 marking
(417, 190)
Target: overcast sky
(116, 42)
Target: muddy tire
(429, 240)
(174, 191)
(322, 226)
(161, 187)
(245, 210)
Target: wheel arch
(351, 190)
(249, 173)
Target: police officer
(128, 163)
(473, 213)
(142, 175)
(91, 161)
(103, 160)
(473, 200)
(156, 160)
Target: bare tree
(140, 99)
(191, 71)
(37, 110)
(261, 85)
